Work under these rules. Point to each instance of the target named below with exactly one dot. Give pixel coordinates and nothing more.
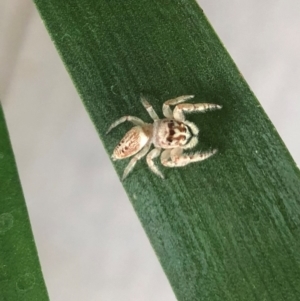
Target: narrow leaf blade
(223, 229)
(20, 272)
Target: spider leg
(176, 157)
(153, 154)
(149, 108)
(133, 119)
(179, 110)
(172, 102)
(133, 161)
(165, 156)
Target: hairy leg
(176, 157)
(133, 161)
(172, 102)
(149, 108)
(153, 154)
(133, 119)
(179, 110)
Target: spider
(172, 134)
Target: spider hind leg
(176, 158)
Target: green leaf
(223, 229)
(20, 272)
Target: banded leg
(133, 161)
(153, 154)
(179, 110)
(172, 102)
(133, 119)
(175, 157)
(149, 108)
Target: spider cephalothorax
(173, 134)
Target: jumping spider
(172, 133)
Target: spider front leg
(172, 102)
(179, 110)
(133, 161)
(176, 158)
(132, 119)
(149, 108)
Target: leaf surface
(20, 272)
(223, 229)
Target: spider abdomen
(133, 141)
